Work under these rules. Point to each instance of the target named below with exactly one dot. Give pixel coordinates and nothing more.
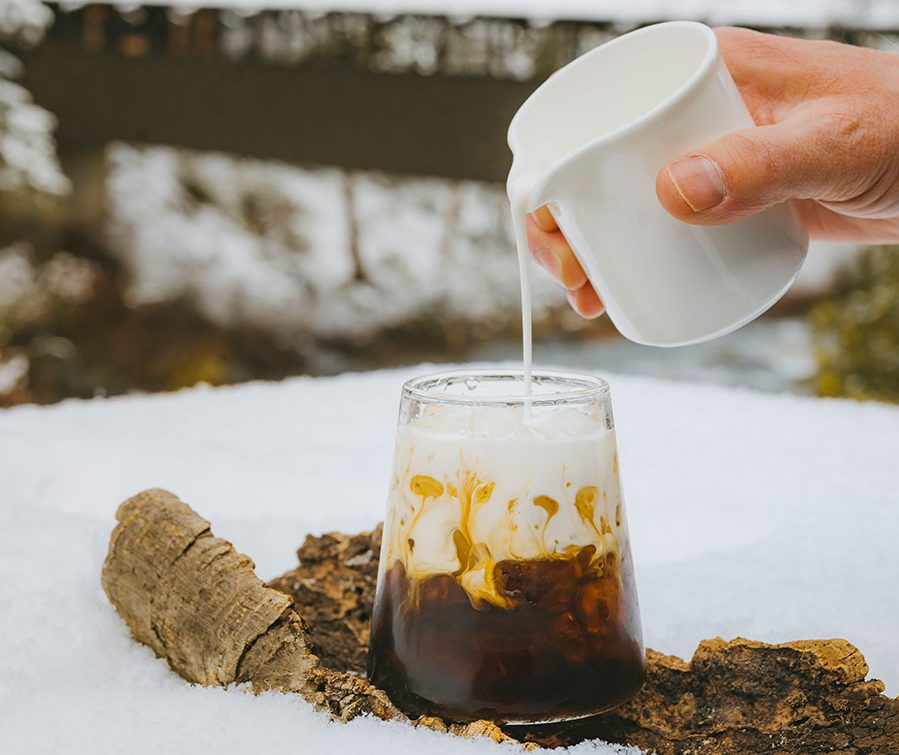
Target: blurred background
(217, 193)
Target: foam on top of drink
(475, 485)
(507, 422)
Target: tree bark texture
(197, 602)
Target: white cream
(490, 483)
(519, 191)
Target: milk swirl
(474, 486)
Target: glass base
(560, 719)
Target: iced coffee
(506, 587)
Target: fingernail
(699, 181)
(575, 303)
(544, 219)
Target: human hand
(827, 137)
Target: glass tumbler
(506, 586)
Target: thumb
(744, 173)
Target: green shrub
(856, 332)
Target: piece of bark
(800, 698)
(197, 602)
(334, 589)
(748, 697)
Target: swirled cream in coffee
(506, 589)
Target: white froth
(501, 459)
(501, 422)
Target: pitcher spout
(530, 191)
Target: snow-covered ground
(771, 517)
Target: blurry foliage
(856, 332)
(28, 163)
(67, 331)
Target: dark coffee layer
(567, 644)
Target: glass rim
(582, 386)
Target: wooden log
(197, 603)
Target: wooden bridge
(410, 94)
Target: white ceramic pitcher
(589, 142)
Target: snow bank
(770, 517)
(27, 148)
(267, 244)
(270, 245)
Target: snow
(24, 21)
(12, 372)
(17, 275)
(30, 291)
(772, 517)
(855, 14)
(267, 244)
(27, 149)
